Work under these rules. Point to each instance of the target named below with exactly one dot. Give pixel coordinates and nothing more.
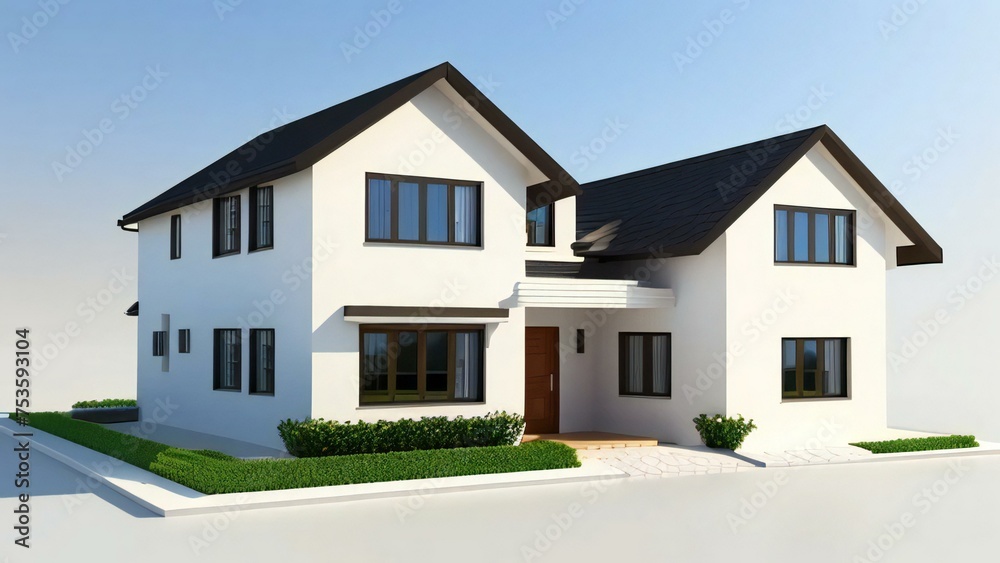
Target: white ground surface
(826, 513)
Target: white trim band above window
(424, 315)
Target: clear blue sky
(893, 75)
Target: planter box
(107, 415)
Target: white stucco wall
(264, 289)
(425, 137)
(766, 302)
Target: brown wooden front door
(541, 380)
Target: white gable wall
(768, 301)
(428, 136)
(250, 290)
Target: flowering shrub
(723, 432)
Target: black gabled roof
(680, 208)
(298, 145)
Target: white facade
(726, 309)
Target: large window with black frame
(420, 363)
(806, 235)
(814, 368)
(412, 210)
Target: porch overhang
(591, 294)
(367, 314)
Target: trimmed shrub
(213, 472)
(723, 432)
(105, 404)
(919, 444)
(318, 437)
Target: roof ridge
(705, 157)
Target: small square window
(644, 364)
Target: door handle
(552, 382)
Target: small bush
(105, 404)
(723, 432)
(212, 472)
(919, 444)
(317, 438)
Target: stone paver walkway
(667, 461)
(822, 456)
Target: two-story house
(412, 252)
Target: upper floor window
(540, 226)
(813, 236)
(423, 210)
(813, 367)
(226, 225)
(261, 218)
(175, 237)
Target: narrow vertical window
(228, 353)
(261, 218)
(262, 361)
(175, 237)
(379, 209)
(437, 213)
(184, 341)
(540, 226)
(226, 236)
(159, 343)
(467, 215)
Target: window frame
(647, 354)
(799, 394)
(550, 230)
(255, 242)
(175, 237)
(217, 360)
(217, 239)
(812, 212)
(255, 334)
(159, 343)
(422, 239)
(393, 330)
(183, 341)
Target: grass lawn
(211, 472)
(919, 444)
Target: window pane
(437, 212)
(468, 370)
(263, 227)
(539, 226)
(379, 209)
(634, 364)
(437, 362)
(409, 211)
(842, 240)
(835, 368)
(822, 237)
(467, 214)
(660, 367)
(801, 236)
(788, 384)
(406, 362)
(375, 376)
(781, 235)
(809, 362)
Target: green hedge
(211, 472)
(105, 404)
(317, 438)
(919, 444)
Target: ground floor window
(644, 364)
(813, 367)
(408, 363)
(262, 361)
(228, 350)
